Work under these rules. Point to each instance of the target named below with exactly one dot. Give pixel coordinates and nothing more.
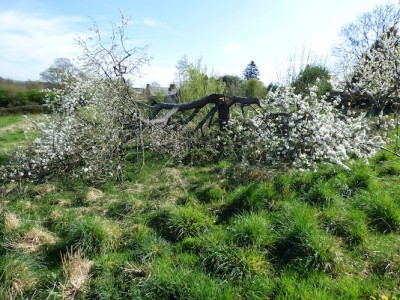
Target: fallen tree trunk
(222, 105)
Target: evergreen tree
(251, 71)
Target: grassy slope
(180, 232)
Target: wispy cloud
(31, 43)
(149, 22)
(230, 47)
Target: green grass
(9, 136)
(9, 120)
(193, 232)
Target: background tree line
(22, 96)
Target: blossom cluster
(376, 77)
(305, 130)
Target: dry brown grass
(11, 222)
(77, 273)
(32, 240)
(94, 194)
(45, 188)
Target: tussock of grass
(384, 256)
(300, 240)
(11, 222)
(92, 235)
(252, 230)
(19, 273)
(44, 189)
(219, 256)
(31, 240)
(93, 194)
(174, 282)
(252, 197)
(359, 179)
(145, 244)
(346, 222)
(210, 193)
(181, 222)
(320, 193)
(383, 212)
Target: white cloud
(31, 43)
(230, 47)
(149, 22)
(164, 76)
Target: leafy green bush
(254, 88)
(309, 77)
(24, 109)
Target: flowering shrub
(302, 131)
(92, 120)
(83, 137)
(376, 77)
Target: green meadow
(216, 231)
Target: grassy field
(11, 133)
(210, 232)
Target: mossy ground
(187, 232)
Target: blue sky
(227, 35)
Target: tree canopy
(357, 37)
(313, 75)
(61, 72)
(251, 71)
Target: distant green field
(10, 120)
(10, 135)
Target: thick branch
(200, 103)
(164, 119)
(222, 105)
(202, 122)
